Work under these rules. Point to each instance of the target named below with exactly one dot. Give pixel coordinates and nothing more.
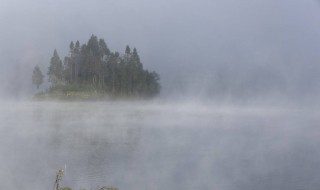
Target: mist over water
(156, 145)
(238, 108)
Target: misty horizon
(238, 106)
(209, 49)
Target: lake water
(153, 145)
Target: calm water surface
(147, 145)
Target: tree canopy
(94, 66)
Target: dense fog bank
(238, 108)
(211, 49)
(147, 144)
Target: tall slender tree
(37, 77)
(55, 70)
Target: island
(92, 71)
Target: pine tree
(128, 50)
(37, 77)
(55, 70)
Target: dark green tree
(37, 77)
(92, 66)
(128, 50)
(103, 48)
(71, 46)
(55, 70)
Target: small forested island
(92, 71)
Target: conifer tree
(55, 70)
(37, 77)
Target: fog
(238, 108)
(147, 145)
(205, 49)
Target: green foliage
(107, 188)
(37, 77)
(112, 188)
(93, 67)
(55, 70)
(59, 178)
(65, 188)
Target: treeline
(59, 176)
(93, 66)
